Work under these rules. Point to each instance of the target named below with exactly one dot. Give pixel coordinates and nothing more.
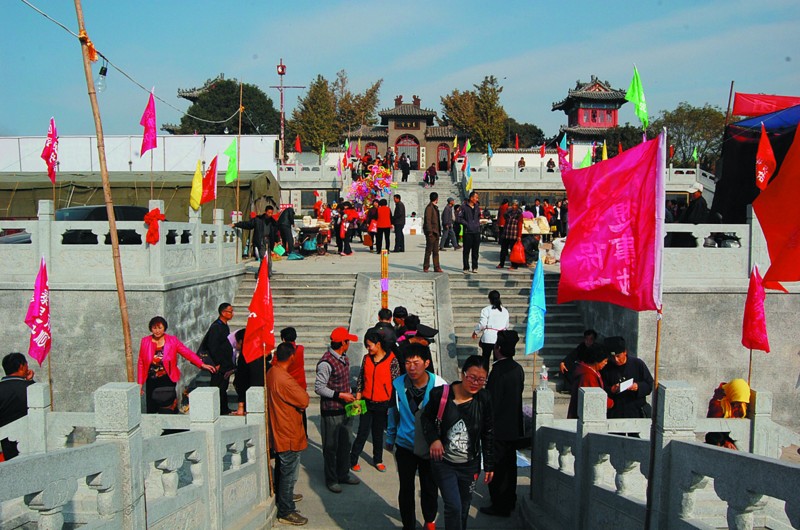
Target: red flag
(210, 183)
(671, 151)
(297, 147)
(619, 148)
(754, 323)
(148, 121)
(50, 151)
(259, 335)
(38, 317)
(516, 142)
(776, 208)
(765, 160)
(613, 254)
(758, 104)
(542, 151)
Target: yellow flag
(469, 184)
(455, 142)
(197, 188)
(605, 151)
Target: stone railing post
(219, 240)
(38, 409)
(591, 419)
(256, 416)
(676, 411)
(543, 406)
(763, 438)
(156, 252)
(204, 414)
(45, 229)
(117, 413)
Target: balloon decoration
(376, 183)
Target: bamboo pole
(112, 222)
(728, 113)
(750, 368)
(151, 174)
(651, 465)
(266, 419)
(384, 279)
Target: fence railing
(80, 251)
(584, 476)
(211, 472)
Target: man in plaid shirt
(510, 232)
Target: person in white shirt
(494, 318)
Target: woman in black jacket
(457, 441)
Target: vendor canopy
(736, 187)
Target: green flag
(694, 154)
(322, 153)
(587, 160)
(635, 95)
(232, 173)
(469, 146)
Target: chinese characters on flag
(765, 160)
(38, 317)
(50, 151)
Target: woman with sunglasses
(457, 424)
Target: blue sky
(684, 50)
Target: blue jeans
(448, 235)
(456, 482)
(288, 464)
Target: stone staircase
(563, 323)
(416, 197)
(314, 306)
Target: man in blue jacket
(411, 395)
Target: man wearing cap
(505, 384)
(399, 222)
(333, 387)
(448, 234)
(416, 333)
(432, 228)
(697, 211)
(627, 381)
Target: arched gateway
(410, 146)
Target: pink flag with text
(50, 151)
(616, 224)
(148, 121)
(38, 317)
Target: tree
(353, 110)
(220, 101)
(314, 118)
(477, 112)
(529, 134)
(690, 127)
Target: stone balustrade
(210, 472)
(585, 477)
(183, 249)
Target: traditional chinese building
(408, 128)
(591, 108)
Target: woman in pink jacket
(158, 367)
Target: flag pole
(238, 156)
(750, 368)
(728, 114)
(151, 174)
(112, 222)
(50, 379)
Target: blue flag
(563, 143)
(491, 154)
(534, 334)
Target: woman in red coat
(384, 224)
(158, 367)
(587, 374)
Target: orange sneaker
(356, 468)
(430, 526)
(380, 467)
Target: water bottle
(543, 378)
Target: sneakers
(297, 497)
(466, 271)
(424, 269)
(500, 267)
(438, 270)
(356, 468)
(335, 488)
(430, 526)
(474, 271)
(380, 467)
(294, 519)
(350, 480)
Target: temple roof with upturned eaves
(369, 132)
(595, 90)
(407, 110)
(193, 93)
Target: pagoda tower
(591, 108)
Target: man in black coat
(629, 401)
(263, 237)
(218, 347)
(505, 384)
(399, 222)
(284, 225)
(13, 397)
